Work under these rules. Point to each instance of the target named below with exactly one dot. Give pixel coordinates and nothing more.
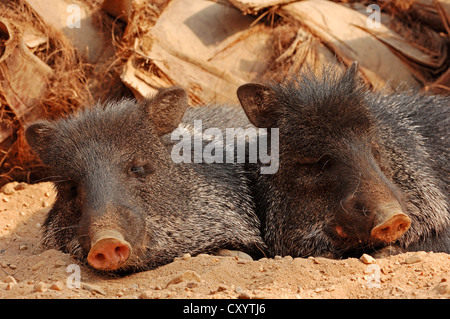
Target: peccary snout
(109, 250)
(373, 211)
(391, 223)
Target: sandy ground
(28, 271)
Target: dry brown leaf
(341, 29)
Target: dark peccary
(122, 204)
(359, 171)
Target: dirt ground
(28, 271)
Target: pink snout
(109, 250)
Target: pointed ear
(350, 77)
(353, 69)
(38, 135)
(257, 101)
(167, 109)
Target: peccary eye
(324, 162)
(376, 153)
(315, 165)
(70, 190)
(137, 170)
(309, 162)
(140, 171)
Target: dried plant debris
(134, 47)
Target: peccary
(359, 171)
(122, 204)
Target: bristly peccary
(359, 171)
(123, 204)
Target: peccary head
(122, 204)
(333, 192)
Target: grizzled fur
(341, 146)
(112, 169)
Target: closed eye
(141, 171)
(68, 188)
(315, 165)
(321, 161)
(137, 170)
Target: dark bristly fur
(163, 209)
(343, 149)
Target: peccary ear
(167, 109)
(353, 69)
(257, 101)
(37, 136)
(350, 78)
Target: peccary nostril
(392, 227)
(109, 251)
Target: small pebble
(10, 279)
(367, 259)
(191, 285)
(221, 288)
(186, 276)
(147, 294)
(40, 287)
(93, 288)
(234, 253)
(20, 186)
(8, 189)
(245, 256)
(242, 294)
(23, 247)
(60, 263)
(331, 288)
(413, 259)
(319, 290)
(38, 265)
(238, 290)
(443, 287)
(58, 285)
(186, 256)
(399, 289)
